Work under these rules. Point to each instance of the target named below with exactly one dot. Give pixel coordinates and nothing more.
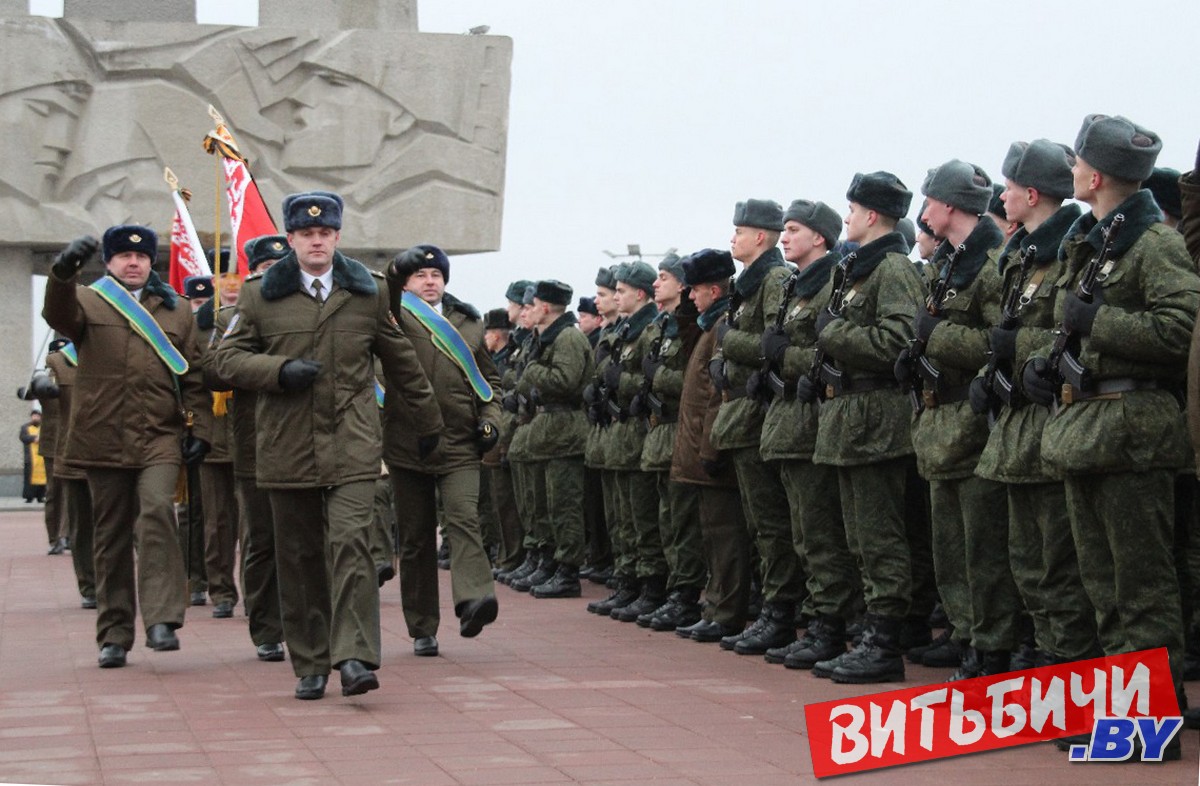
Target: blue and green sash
(446, 338)
(379, 393)
(112, 292)
(70, 353)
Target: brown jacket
(209, 332)
(329, 433)
(698, 407)
(461, 409)
(125, 413)
(64, 376)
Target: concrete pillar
(131, 10)
(339, 14)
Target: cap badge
(314, 211)
(277, 246)
(135, 238)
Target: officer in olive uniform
(1118, 435)
(970, 514)
(810, 230)
(673, 335)
(1041, 550)
(559, 366)
(260, 582)
(637, 491)
(863, 425)
(128, 428)
(738, 428)
(305, 337)
(724, 536)
(465, 389)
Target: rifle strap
(1035, 281)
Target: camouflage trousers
(873, 510)
(637, 494)
(819, 536)
(621, 536)
(679, 527)
(765, 503)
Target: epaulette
(377, 274)
(256, 276)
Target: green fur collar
(451, 303)
(283, 278)
(713, 313)
(547, 336)
(206, 316)
(1047, 237)
(983, 238)
(752, 277)
(815, 276)
(870, 255)
(1141, 213)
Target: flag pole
(217, 239)
(180, 197)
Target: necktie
(318, 292)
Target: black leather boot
(969, 666)
(653, 594)
(521, 571)
(626, 592)
(915, 632)
(994, 662)
(777, 631)
(877, 657)
(545, 570)
(667, 606)
(946, 655)
(563, 584)
(729, 642)
(685, 611)
(824, 640)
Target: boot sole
(851, 679)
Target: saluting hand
(74, 256)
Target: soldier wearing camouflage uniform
(559, 366)
(598, 566)
(1041, 550)
(863, 425)
(517, 562)
(738, 428)
(1119, 437)
(810, 230)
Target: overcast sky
(644, 122)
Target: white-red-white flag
(248, 214)
(187, 255)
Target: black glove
(637, 407)
(602, 352)
(1079, 316)
(486, 435)
(979, 396)
(510, 403)
(298, 374)
(427, 444)
(924, 323)
(73, 257)
(612, 376)
(824, 318)
(756, 385)
(43, 386)
(1004, 343)
(194, 450)
(903, 368)
(723, 327)
(774, 343)
(716, 372)
(650, 366)
(806, 389)
(713, 468)
(1037, 383)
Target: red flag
(183, 256)
(248, 216)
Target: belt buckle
(830, 392)
(1067, 394)
(654, 421)
(929, 398)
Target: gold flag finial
(169, 176)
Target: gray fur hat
(960, 185)
(817, 216)
(1043, 165)
(882, 192)
(673, 264)
(759, 213)
(1117, 146)
(637, 274)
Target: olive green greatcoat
(949, 438)
(330, 433)
(125, 414)
(461, 409)
(872, 426)
(739, 423)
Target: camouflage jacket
(873, 426)
(673, 335)
(593, 451)
(739, 423)
(949, 438)
(623, 439)
(1141, 332)
(559, 367)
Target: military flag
(187, 255)
(248, 214)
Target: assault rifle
(1063, 358)
(609, 397)
(998, 381)
(768, 375)
(821, 371)
(922, 373)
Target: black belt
(862, 384)
(1105, 389)
(557, 408)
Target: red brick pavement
(549, 694)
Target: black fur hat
(312, 209)
(554, 292)
(496, 319)
(707, 266)
(130, 237)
